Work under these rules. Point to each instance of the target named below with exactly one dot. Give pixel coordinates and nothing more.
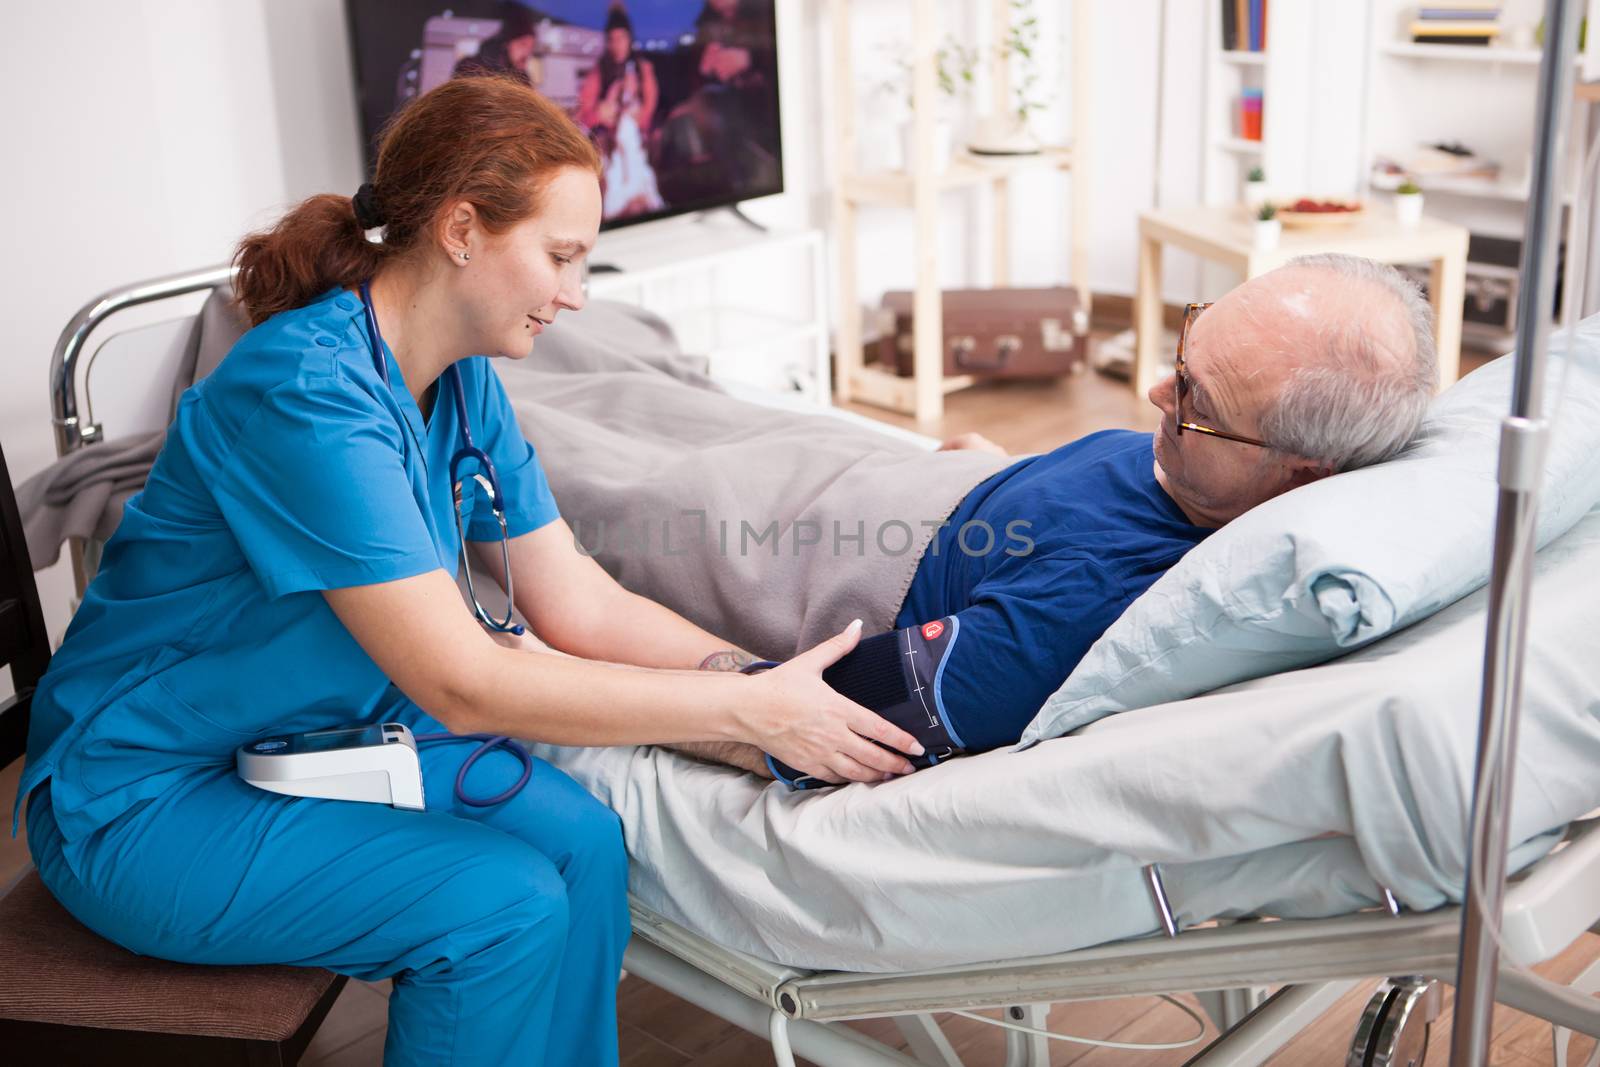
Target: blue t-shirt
(291, 469)
(1036, 563)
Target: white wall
(146, 140)
(154, 133)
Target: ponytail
(316, 246)
(490, 140)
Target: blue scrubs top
(1036, 563)
(290, 469)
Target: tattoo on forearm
(727, 659)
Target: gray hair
(1362, 402)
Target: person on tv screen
(622, 85)
(514, 48)
(723, 139)
(733, 45)
(617, 104)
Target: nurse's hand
(800, 720)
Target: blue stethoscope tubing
(469, 450)
(487, 743)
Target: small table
(1226, 234)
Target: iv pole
(1523, 435)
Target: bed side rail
(1546, 909)
(1557, 899)
(71, 433)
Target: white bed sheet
(1016, 854)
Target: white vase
(943, 141)
(1255, 194)
(1408, 208)
(1267, 233)
(1003, 135)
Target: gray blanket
(771, 528)
(767, 527)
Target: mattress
(1297, 795)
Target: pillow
(1339, 563)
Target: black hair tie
(365, 202)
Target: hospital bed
(1164, 938)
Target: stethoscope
(491, 485)
(485, 478)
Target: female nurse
(291, 564)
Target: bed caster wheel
(1394, 1028)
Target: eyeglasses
(1190, 313)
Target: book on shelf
(1250, 114)
(1437, 38)
(1244, 25)
(1455, 29)
(1457, 22)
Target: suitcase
(995, 333)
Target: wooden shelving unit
(918, 188)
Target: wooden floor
(659, 1030)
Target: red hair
(489, 140)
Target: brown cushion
(54, 970)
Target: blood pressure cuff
(897, 675)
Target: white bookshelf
(1308, 71)
(1482, 96)
(1240, 146)
(1479, 96)
(1243, 59)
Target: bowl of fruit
(1309, 213)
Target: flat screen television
(679, 96)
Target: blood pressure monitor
(377, 764)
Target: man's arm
(1028, 625)
(971, 442)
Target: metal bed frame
(1228, 966)
(1315, 961)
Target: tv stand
(738, 212)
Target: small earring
(464, 256)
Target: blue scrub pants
(502, 927)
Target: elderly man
(1321, 366)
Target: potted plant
(1010, 130)
(1269, 228)
(953, 69)
(1255, 189)
(1408, 203)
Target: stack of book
(1458, 22)
(1250, 114)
